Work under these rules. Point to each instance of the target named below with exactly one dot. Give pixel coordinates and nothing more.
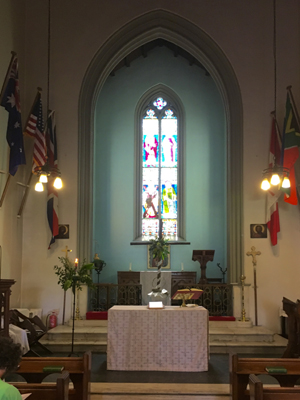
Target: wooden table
(169, 339)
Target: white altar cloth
(169, 339)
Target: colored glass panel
(150, 142)
(150, 193)
(150, 228)
(169, 193)
(169, 228)
(169, 142)
(159, 103)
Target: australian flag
(10, 100)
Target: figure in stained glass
(150, 150)
(169, 203)
(150, 201)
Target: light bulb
(265, 185)
(275, 180)
(43, 178)
(39, 187)
(57, 183)
(286, 183)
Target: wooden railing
(216, 298)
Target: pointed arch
(175, 29)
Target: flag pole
(289, 88)
(5, 190)
(39, 91)
(13, 56)
(24, 196)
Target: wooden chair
(259, 392)
(47, 391)
(34, 327)
(35, 369)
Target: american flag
(52, 202)
(35, 129)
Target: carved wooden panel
(5, 285)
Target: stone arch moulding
(173, 28)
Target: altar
(169, 339)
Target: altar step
(224, 337)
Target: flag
(52, 202)
(35, 129)
(274, 193)
(10, 100)
(291, 142)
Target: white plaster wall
(243, 30)
(12, 27)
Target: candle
(130, 266)
(182, 267)
(76, 263)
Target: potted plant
(160, 250)
(70, 275)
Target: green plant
(159, 248)
(71, 276)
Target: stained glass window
(160, 174)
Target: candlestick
(130, 266)
(76, 263)
(182, 267)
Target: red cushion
(96, 315)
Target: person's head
(10, 354)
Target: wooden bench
(293, 312)
(242, 368)
(259, 392)
(32, 369)
(47, 391)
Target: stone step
(81, 333)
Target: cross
(253, 253)
(66, 250)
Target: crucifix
(254, 253)
(66, 250)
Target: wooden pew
(241, 368)
(47, 391)
(33, 371)
(293, 312)
(259, 392)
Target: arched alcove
(170, 27)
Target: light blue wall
(205, 164)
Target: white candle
(130, 266)
(181, 266)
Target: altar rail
(216, 298)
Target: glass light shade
(39, 187)
(286, 183)
(275, 180)
(57, 183)
(43, 178)
(265, 185)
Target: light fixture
(276, 174)
(44, 172)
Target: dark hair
(10, 354)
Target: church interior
(158, 118)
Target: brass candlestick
(77, 313)
(243, 314)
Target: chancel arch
(182, 33)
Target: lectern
(203, 256)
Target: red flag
(291, 148)
(274, 193)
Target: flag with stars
(10, 100)
(35, 129)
